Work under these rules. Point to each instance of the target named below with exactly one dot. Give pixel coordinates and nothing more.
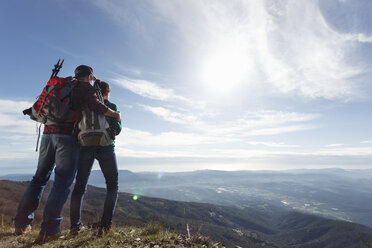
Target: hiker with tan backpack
(59, 108)
(96, 138)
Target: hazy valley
(333, 193)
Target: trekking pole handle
(57, 67)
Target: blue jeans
(62, 151)
(108, 164)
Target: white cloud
(172, 116)
(193, 147)
(264, 118)
(148, 89)
(198, 132)
(358, 37)
(279, 130)
(14, 107)
(12, 119)
(335, 145)
(273, 144)
(265, 122)
(346, 151)
(288, 45)
(15, 137)
(137, 138)
(241, 155)
(153, 91)
(18, 156)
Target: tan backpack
(94, 127)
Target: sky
(201, 84)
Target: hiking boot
(44, 238)
(76, 231)
(103, 231)
(21, 231)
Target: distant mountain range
(256, 226)
(332, 193)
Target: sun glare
(225, 69)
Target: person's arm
(112, 113)
(92, 102)
(114, 124)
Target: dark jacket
(115, 125)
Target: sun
(225, 69)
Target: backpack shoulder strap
(67, 89)
(48, 89)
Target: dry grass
(152, 235)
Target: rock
(138, 239)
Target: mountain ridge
(332, 193)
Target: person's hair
(105, 88)
(83, 71)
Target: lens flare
(160, 175)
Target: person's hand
(118, 115)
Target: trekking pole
(57, 67)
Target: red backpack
(53, 105)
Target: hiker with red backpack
(105, 154)
(58, 107)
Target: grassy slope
(152, 235)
